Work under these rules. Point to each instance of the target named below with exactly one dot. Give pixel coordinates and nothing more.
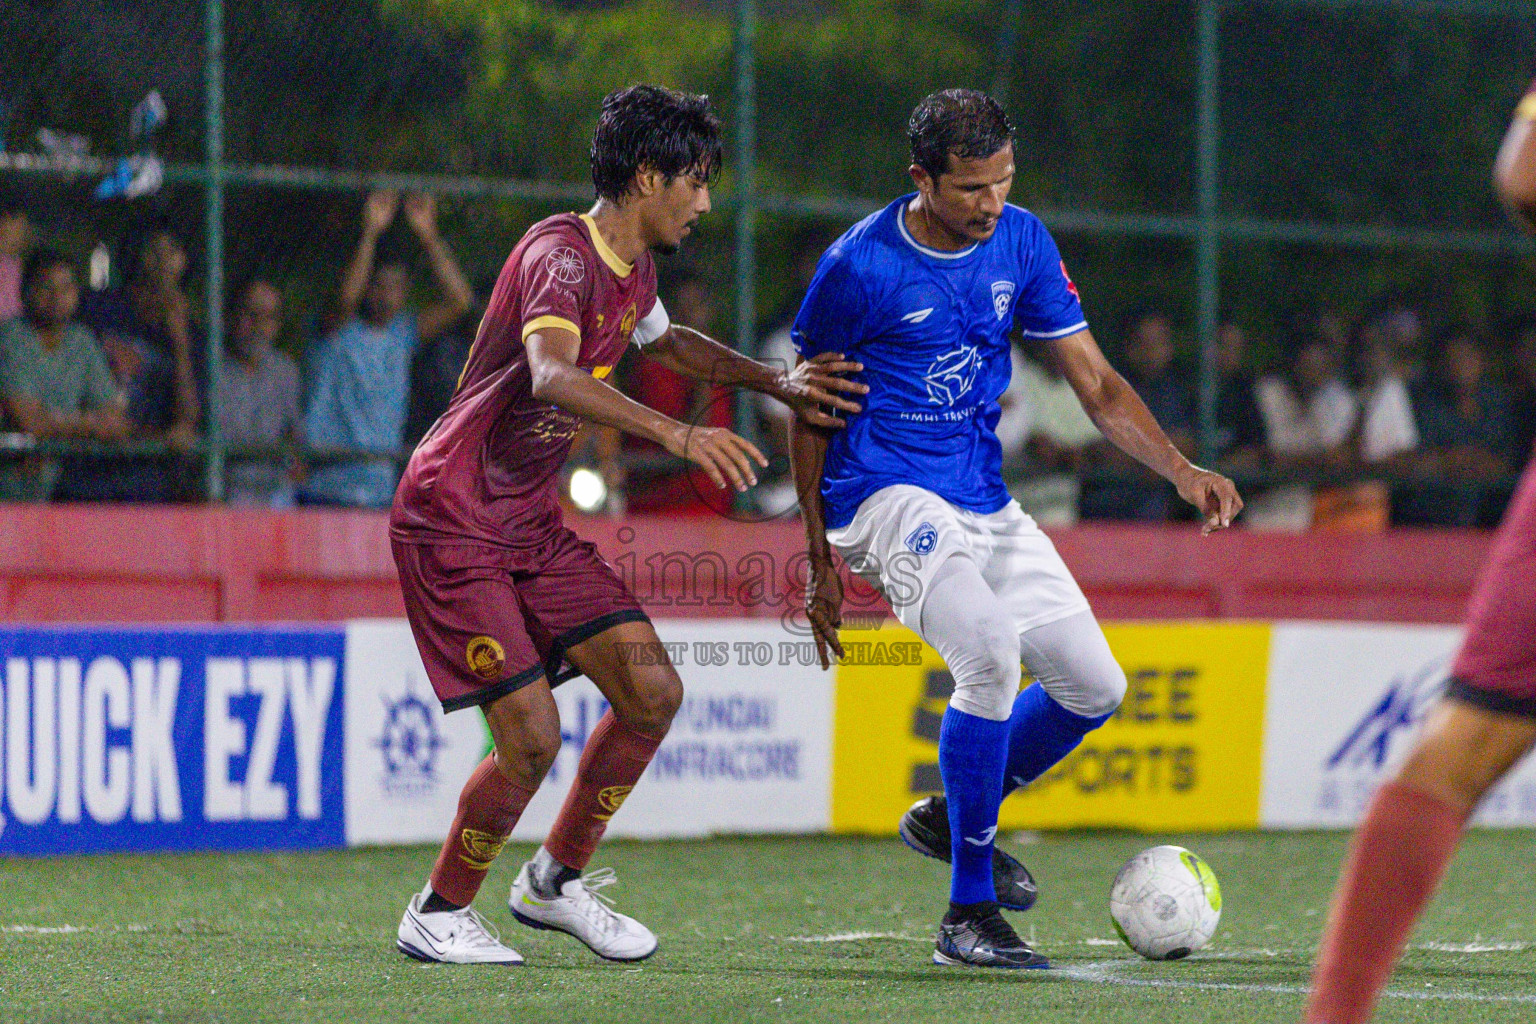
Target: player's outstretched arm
(1514, 170)
(806, 388)
(1124, 418)
(557, 379)
(823, 587)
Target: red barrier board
(124, 563)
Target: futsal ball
(1165, 903)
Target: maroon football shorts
(489, 621)
(1496, 668)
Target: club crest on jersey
(627, 324)
(1002, 298)
(923, 540)
(564, 265)
(951, 375)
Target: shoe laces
(595, 911)
(475, 929)
(996, 930)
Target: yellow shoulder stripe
(540, 322)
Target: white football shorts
(901, 535)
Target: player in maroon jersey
(503, 599)
(1485, 723)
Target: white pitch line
(1103, 976)
(35, 929)
(856, 937)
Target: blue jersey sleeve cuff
(1081, 325)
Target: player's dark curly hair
(968, 123)
(649, 126)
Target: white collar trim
(938, 254)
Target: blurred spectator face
(52, 296)
(1404, 331)
(163, 261)
(1231, 349)
(1314, 367)
(1376, 362)
(1150, 347)
(258, 319)
(695, 306)
(1462, 364)
(15, 231)
(386, 293)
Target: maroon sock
(1394, 866)
(611, 764)
(488, 808)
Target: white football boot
(452, 937)
(581, 912)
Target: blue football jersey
(931, 329)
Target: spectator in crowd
(1523, 397)
(54, 380)
(259, 400)
(1399, 327)
(1309, 415)
(15, 235)
(155, 348)
(435, 371)
(1464, 426)
(1385, 431)
(1239, 444)
(1060, 439)
(1148, 362)
(361, 370)
(691, 304)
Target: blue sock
(972, 752)
(1040, 733)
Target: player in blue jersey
(924, 294)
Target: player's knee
(1103, 692)
(526, 758)
(987, 673)
(652, 703)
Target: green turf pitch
(806, 929)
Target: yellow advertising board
(1184, 751)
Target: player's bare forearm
(807, 457)
(728, 459)
(1124, 419)
(805, 389)
(570, 388)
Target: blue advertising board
(197, 738)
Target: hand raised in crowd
(820, 382)
(421, 213)
(379, 211)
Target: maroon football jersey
(488, 471)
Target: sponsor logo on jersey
(951, 375)
(1068, 278)
(485, 657)
(923, 540)
(1002, 298)
(611, 799)
(564, 265)
(917, 317)
(480, 848)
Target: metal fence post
(213, 295)
(1208, 235)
